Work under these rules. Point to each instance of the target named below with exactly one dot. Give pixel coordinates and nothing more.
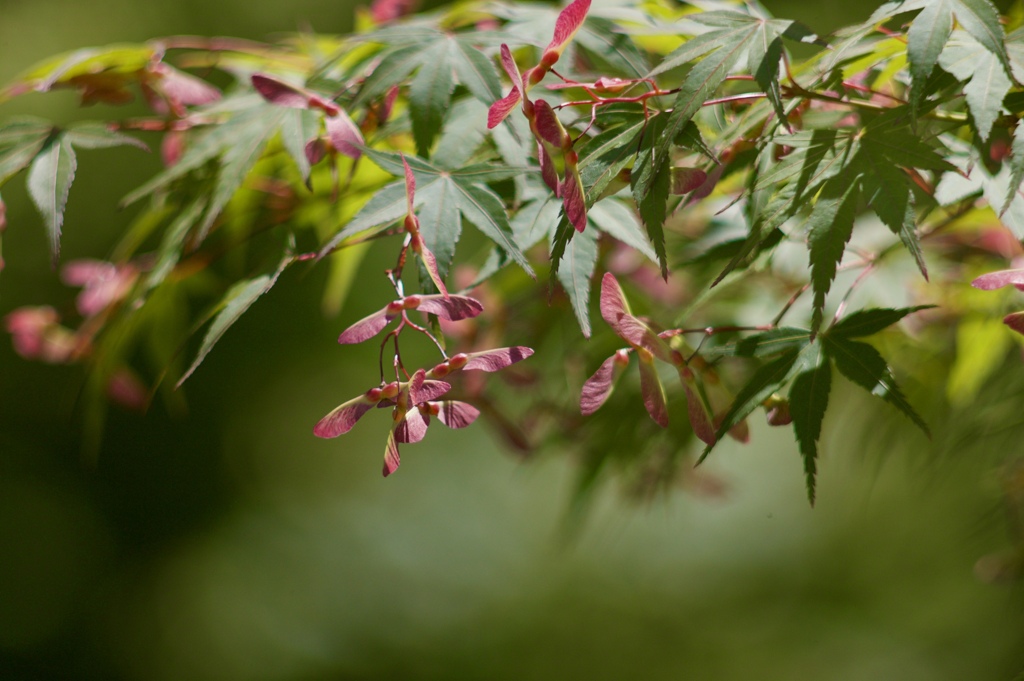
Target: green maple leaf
(768, 379)
(862, 364)
(889, 194)
(831, 225)
(48, 152)
(575, 274)
(868, 322)
(932, 27)
(987, 79)
(439, 60)
(765, 344)
(236, 144)
(455, 194)
(808, 400)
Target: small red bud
(411, 302)
(458, 361)
(622, 357)
(441, 370)
(412, 225)
(374, 394)
(389, 391)
(396, 306)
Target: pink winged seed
(511, 68)
(497, 359)
(549, 128)
(410, 186)
(568, 22)
(613, 301)
(391, 457)
(685, 180)
(699, 420)
(452, 308)
(598, 387)
(412, 428)
(342, 418)
(365, 328)
(455, 414)
(994, 280)
(184, 88)
(423, 390)
(548, 172)
(653, 393)
(344, 134)
(1015, 320)
(500, 110)
(574, 200)
(280, 93)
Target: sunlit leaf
(49, 180)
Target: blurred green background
(228, 543)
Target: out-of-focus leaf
(831, 225)
(808, 400)
(49, 179)
(863, 365)
(20, 151)
(171, 245)
(613, 218)
(232, 306)
(386, 206)
(89, 135)
(575, 274)
(238, 158)
(298, 127)
(981, 346)
(392, 70)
